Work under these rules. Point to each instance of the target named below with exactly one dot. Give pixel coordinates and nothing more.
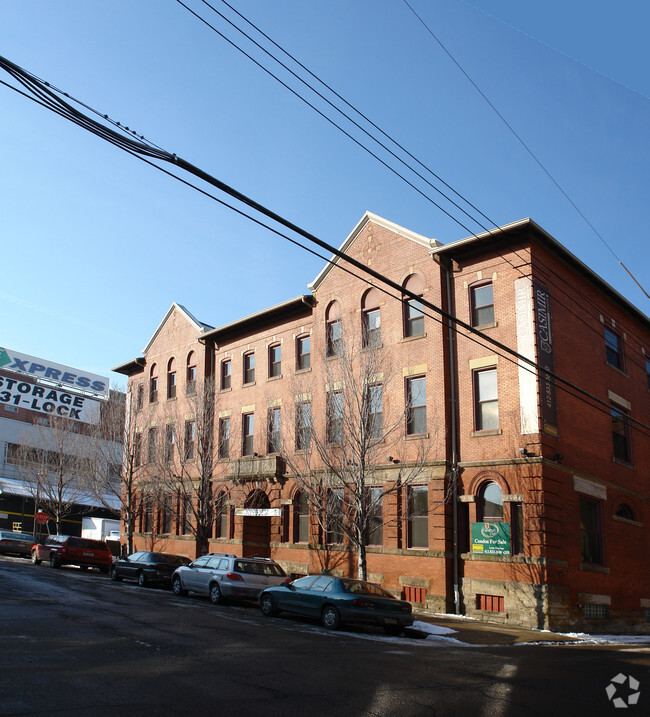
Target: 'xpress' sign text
(53, 372)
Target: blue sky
(96, 245)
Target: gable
(347, 246)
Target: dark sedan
(16, 543)
(148, 568)
(338, 600)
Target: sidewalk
(474, 632)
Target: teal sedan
(338, 600)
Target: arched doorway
(257, 529)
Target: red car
(68, 550)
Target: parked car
(223, 576)
(338, 600)
(16, 543)
(67, 550)
(148, 568)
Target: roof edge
(375, 219)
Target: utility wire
(348, 104)
(526, 147)
(334, 124)
(48, 99)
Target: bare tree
(343, 466)
(55, 462)
(184, 462)
(118, 459)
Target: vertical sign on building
(545, 357)
(526, 347)
(535, 342)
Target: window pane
(419, 517)
(303, 352)
(275, 361)
(225, 374)
(590, 535)
(248, 422)
(417, 398)
(492, 503)
(483, 305)
(249, 368)
(372, 328)
(620, 435)
(613, 348)
(414, 318)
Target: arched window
(625, 511)
(371, 319)
(490, 503)
(334, 329)
(413, 308)
(190, 374)
(171, 379)
(153, 384)
(301, 518)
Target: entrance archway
(257, 529)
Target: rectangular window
(647, 371)
(334, 338)
(334, 514)
(375, 414)
(247, 433)
(171, 384)
(226, 374)
(413, 318)
(301, 512)
(166, 515)
(274, 436)
(335, 413)
(170, 442)
(137, 449)
(486, 400)
(249, 368)
(224, 437)
(516, 529)
(482, 304)
(613, 349)
(491, 603)
(190, 382)
(418, 517)
(153, 389)
(152, 439)
(190, 440)
(303, 352)
(591, 531)
(621, 434)
(139, 397)
(416, 398)
(371, 327)
(303, 426)
(376, 517)
(275, 361)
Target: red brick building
(529, 501)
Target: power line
(333, 123)
(526, 147)
(348, 104)
(48, 99)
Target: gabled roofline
(289, 306)
(375, 219)
(555, 244)
(198, 325)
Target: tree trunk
(362, 568)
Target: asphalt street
(75, 643)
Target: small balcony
(251, 468)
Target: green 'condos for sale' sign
(491, 538)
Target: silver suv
(223, 576)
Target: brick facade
(504, 445)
